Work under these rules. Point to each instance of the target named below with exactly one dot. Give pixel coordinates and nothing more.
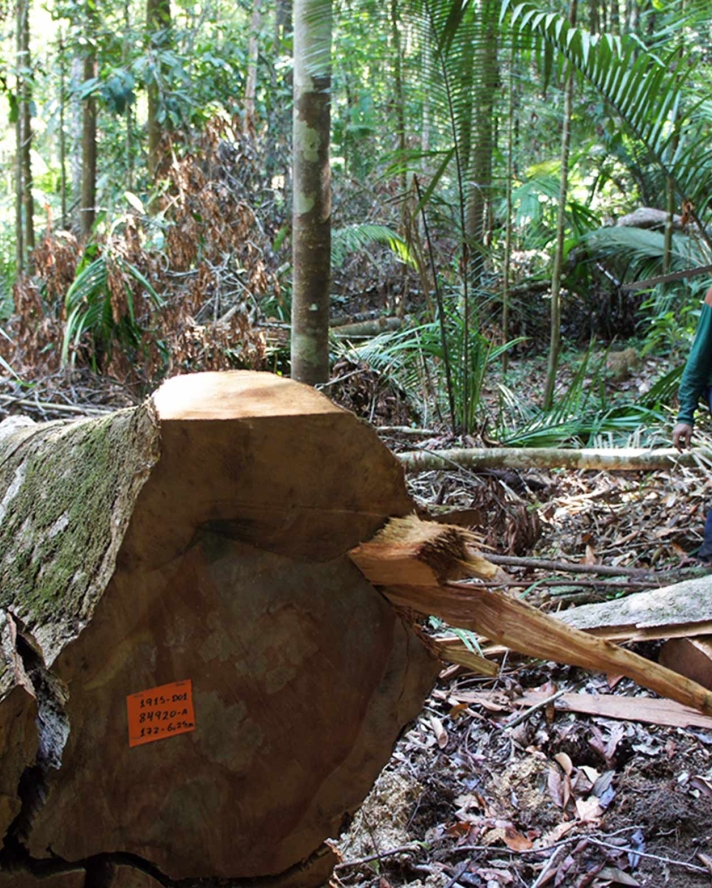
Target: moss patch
(67, 490)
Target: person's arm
(695, 377)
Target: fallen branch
(436, 558)
(630, 459)
(74, 409)
(570, 567)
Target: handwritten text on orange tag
(161, 712)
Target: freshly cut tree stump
(196, 680)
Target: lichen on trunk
(67, 491)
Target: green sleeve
(697, 374)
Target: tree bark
(87, 204)
(62, 135)
(26, 112)
(630, 459)
(248, 122)
(158, 23)
(19, 140)
(311, 215)
(199, 539)
(555, 320)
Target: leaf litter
(556, 797)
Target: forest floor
(560, 799)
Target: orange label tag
(161, 712)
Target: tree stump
(197, 682)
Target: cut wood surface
(196, 545)
(689, 656)
(643, 709)
(683, 608)
(630, 459)
(74, 878)
(649, 710)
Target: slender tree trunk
(26, 111)
(480, 189)
(510, 212)
(62, 133)
(555, 337)
(670, 212)
(75, 133)
(398, 304)
(312, 191)
(129, 113)
(19, 141)
(87, 204)
(427, 114)
(248, 121)
(158, 23)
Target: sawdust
(382, 822)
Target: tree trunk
(555, 319)
(87, 204)
(75, 132)
(217, 684)
(629, 459)
(397, 303)
(248, 121)
(62, 136)
(158, 23)
(26, 112)
(20, 122)
(480, 187)
(311, 215)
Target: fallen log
(682, 609)
(628, 459)
(216, 684)
(197, 683)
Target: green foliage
(100, 318)
(578, 415)
(650, 92)
(352, 238)
(417, 361)
(670, 312)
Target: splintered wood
(497, 616)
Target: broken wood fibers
(430, 559)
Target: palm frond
(352, 238)
(649, 92)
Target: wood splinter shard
(415, 563)
(409, 551)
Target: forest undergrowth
(558, 798)
(196, 282)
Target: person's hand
(681, 435)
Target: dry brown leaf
(514, 840)
(564, 760)
(588, 810)
(702, 784)
(590, 773)
(440, 733)
(705, 861)
(555, 782)
(618, 877)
